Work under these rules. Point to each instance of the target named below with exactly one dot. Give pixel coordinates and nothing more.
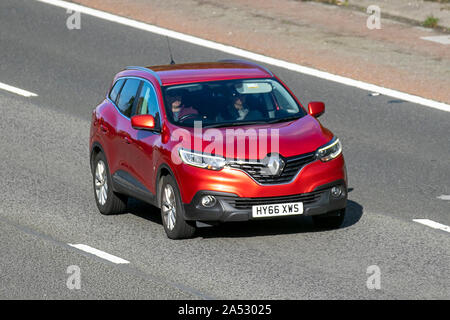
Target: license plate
(276, 210)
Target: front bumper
(230, 207)
(192, 180)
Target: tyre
(331, 220)
(172, 211)
(108, 202)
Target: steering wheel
(188, 116)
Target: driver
(239, 110)
(179, 110)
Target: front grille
(291, 168)
(247, 203)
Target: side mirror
(316, 108)
(143, 122)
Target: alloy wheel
(169, 207)
(101, 183)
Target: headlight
(202, 160)
(329, 151)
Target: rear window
(127, 96)
(116, 89)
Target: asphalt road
(397, 156)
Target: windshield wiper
(233, 124)
(243, 123)
(285, 119)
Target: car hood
(295, 137)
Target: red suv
(214, 142)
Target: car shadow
(144, 210)
(269, 227)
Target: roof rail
(153, 73)
(248, 63)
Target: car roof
(208, 71)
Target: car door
(126, 101)
(142, 159)
(108, 115)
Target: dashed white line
(439, 39)
(25, 93)
(432, 224)
(444, 197)
(247, 54)
(99, 253)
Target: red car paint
(143, 154)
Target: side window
(127, 96)
(147, 103)
(116, 89)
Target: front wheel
(172, 211)
(332, 220)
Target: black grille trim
(247, 203)
(292, 166)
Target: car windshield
(230, 103)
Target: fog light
(336, 192)
(209, 201)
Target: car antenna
(170, 51)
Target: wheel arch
(96, 148)
(163, 170)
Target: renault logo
(274, 165)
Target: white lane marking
(99, 253)
(15, 90)
(432, 224)
(248, 54)
(444, 197)
(439, 39)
